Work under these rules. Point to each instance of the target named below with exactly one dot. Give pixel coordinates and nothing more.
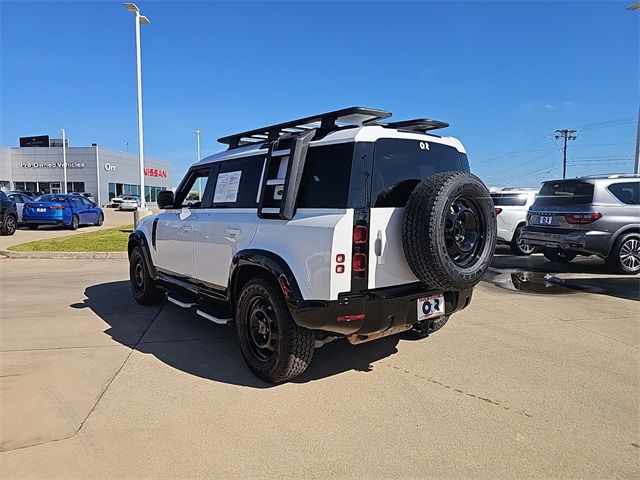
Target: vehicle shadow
(199, 347)
(534, 274)
(537, 263)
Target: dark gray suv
(597, 215)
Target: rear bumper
(59, 219)
(384, 309)
(592, 242)
(504, 235)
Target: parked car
(87, 195)
(130, 202)
(19, 199)
(62, 209)
(30, 195)
(116, 201)
(336, 225)
(8, 215)
(512, 205)
(596, 215)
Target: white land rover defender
(335, 225)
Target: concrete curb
(59, 255)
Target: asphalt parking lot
(538, 378)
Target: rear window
(400, 164)
(627, 192)
(565, 193)
(326, 176)
(509, 199)
(52, 198)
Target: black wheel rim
(138, 276)
(262, 329)
(464, 231)
(11, 226)
(630, 254)
(522, 245)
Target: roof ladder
(283, 174)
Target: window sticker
(227, 187)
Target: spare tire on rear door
(449, 230)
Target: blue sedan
(56, 209)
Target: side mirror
(165, 199)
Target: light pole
(140, 20)
(197, 132)
(64, 159)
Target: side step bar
(219, 321)
(179, 303)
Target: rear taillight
(498, 210)
(360, 234)
(359, 258)
(359, 263)
(57, 207)
(582, 218)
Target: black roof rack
(416, 125)
(345, 118)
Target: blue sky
(505, 75)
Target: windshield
(400, 164)
(565, 193)
(52, 198)
(509, 199)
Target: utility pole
(566, 134)
(197, 132)
(636, 167)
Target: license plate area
(41, 209)
(430, 307)
(545, 220)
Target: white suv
(336, 225)
(512, 205)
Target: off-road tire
(294, 345)
(143, 286)
(614, 259)
(424, 241)
(99, 220)
(75, 222)
(515, 246)
(558, 256)
(424, 329)
(9, 225)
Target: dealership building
(37, 166)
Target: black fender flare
(631, 228)
(137, 238)
(270, 263)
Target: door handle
(185, 229)
(233, 231)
